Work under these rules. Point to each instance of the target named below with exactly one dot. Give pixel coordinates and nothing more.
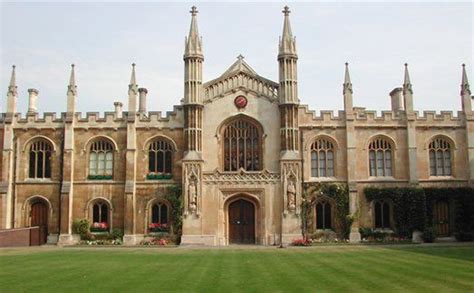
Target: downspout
(15, 157)
(302, 183)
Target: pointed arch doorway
(39, 217)
(241, 215)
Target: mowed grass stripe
(345, 269)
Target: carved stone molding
(241, 177)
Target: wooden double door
(241, 222)
(441, 218)
(39, 217)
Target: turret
(12, 93)
(407, 92)
(71, 92)
(287, 59)
(132, 93)
(142, 100)
(347, 91)
(465, 92)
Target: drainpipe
(61, 163)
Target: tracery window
(380, 157)
(323, 215)
(440, 157)
(322, 158)
(242, 146)
(159, 213)
(40, 159)
(382, 215)
(100, 212)
(160, 157)
(101, 160)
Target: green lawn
(347, 268)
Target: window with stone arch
(322, 158)
(324, 219)
(159, 213)
(440, 157)
(382, 214)
(380, 157)
(242, 146)
(101, 159)
(40, 159)
(160, 154)
(100, 216)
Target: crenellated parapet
(310, 118)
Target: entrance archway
(241, 217)
(39, 217)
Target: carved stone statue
(192, 196)
(291, 193)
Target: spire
(193, 44)
(12, 88)
(72, 87)
(465, 90)
(133, 81)
(406, 81)
(347, 80)
(287, 41)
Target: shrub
(81, 227)
(464, 236)
(117, 234)
(324, 236)
(429, 234)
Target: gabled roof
(240, 66)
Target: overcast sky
(103, 39)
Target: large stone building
(240, 145)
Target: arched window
(101, 160)
(440, 157)
(322, 158)
(100, 216)
(40, 159)
(380, 157)
(323, 215)
(159, 213)
(242, 146)
(382, 215)
(159, 221)
(160, 157)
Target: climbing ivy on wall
(463, 200)
(337, 192)
(409, 208)
(173, 196)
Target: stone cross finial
(194, 11)
(240, 57)
(286, 10)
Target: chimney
(397, 99)
(32, 101)
(118, 109)
(142, 100)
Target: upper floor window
(382, 215)
(380, 157)
(322, 158)
(242, 146)
(40, 159)
(160, 158)
(101, 160)
(440, 157)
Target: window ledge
(38, 180)
(441, 178)
(384, 230)
(381, 178)
(323, 178)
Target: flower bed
(157, 228)
(99, 227)
(100, 177)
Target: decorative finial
(347, 86)
(72, 65)
(14, 66)
(133, 64)
(347, 64)
(286, 10)
(194, 11)
(240, 57)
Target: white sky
(103, 39)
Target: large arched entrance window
(242, 146)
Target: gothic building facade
(241, 146)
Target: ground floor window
(323, 215)
(159, 218)
(382, 215)
(100, 216)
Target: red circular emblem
(240, 102)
